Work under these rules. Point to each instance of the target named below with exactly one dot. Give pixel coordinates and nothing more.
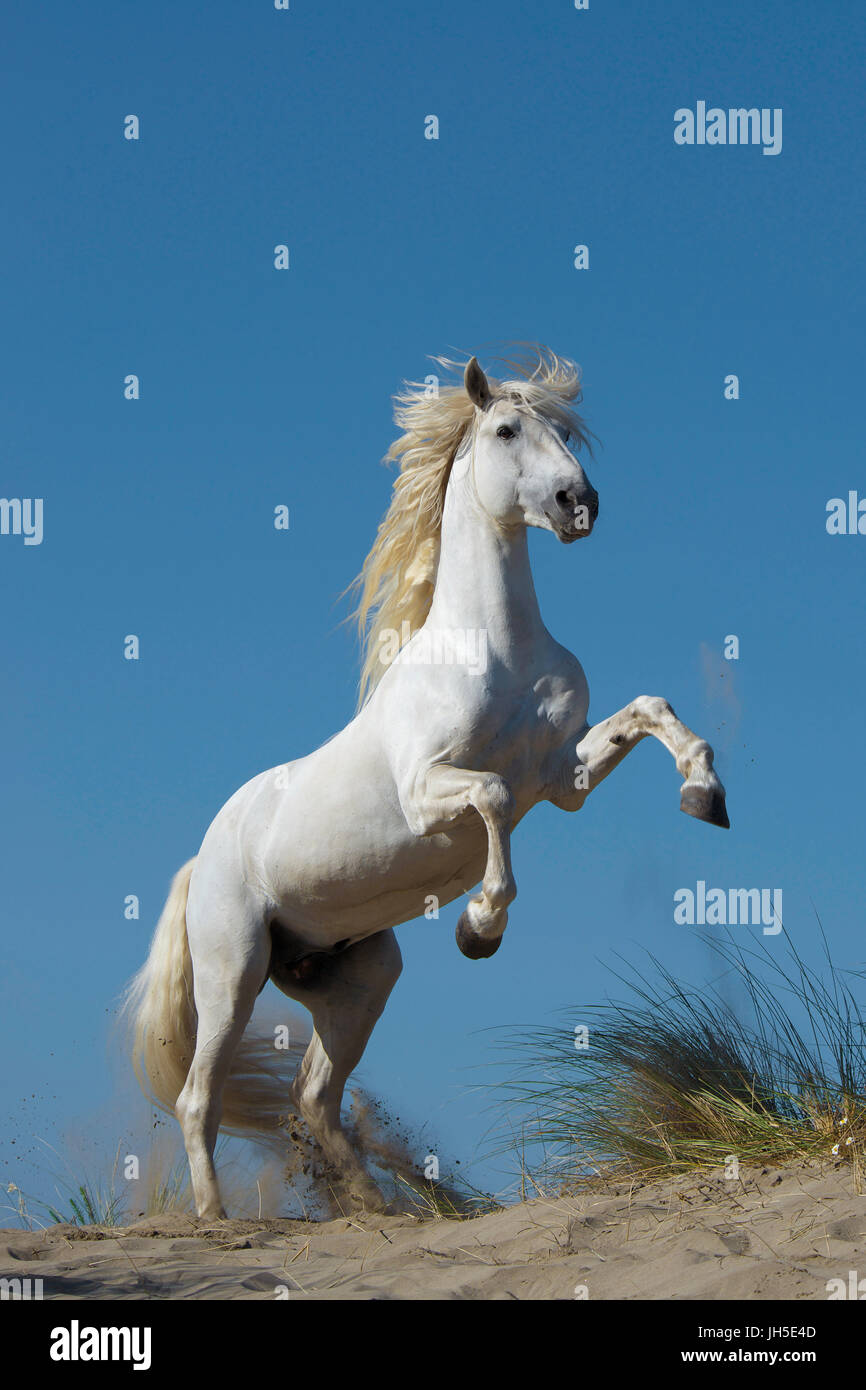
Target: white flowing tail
(159, 1007)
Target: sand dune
(774, 1233)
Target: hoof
(472, 944)
(705, 803)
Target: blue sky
(260, 387)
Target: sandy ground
(772, 1234)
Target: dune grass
(447, 1200)
(674, 1079)
(83, 1199)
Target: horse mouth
(570, 533)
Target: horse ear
(476, 385)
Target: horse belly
(339, 860)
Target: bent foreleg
(601, 748)
(442, 795)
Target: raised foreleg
(601, 748)
(439, 797)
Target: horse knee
(651, 708)
(496, 798)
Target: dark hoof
(705, 803)
(474, 946)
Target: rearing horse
(305, 872)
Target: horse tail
(158, 1006)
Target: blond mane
(397, 578)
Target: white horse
(471, 714)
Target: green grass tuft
(674, 1079)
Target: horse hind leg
(345, 996)
(225, 994)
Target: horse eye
(504, 432)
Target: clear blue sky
(155, 257)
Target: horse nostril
(565, 501)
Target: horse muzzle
(576, 513)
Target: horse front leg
(443, 795)
(601, 748)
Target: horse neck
(484, 579)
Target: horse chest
(518, 735)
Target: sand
(771, 1234)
